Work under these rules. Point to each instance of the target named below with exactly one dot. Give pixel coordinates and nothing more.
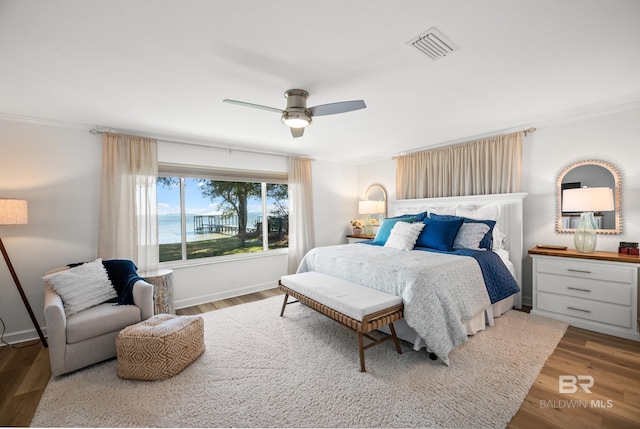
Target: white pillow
(451, 211)
(488, 212)
(404, 235)
(82, 287)
(470, 235)
(499, 238)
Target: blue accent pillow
(418, 217)
(439, 234)
(487, 241)
(385, 229)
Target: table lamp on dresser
(586, 201)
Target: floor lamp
(14, 212)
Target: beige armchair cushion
(100, 320)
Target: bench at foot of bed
(360, 308)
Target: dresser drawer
(615, 293)
(587, 270)
(585, 309)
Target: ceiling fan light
(296, 119)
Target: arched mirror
(377, 193)
(591, 174)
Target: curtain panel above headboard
(488, 166)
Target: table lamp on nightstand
(368, 208)
(587, 200)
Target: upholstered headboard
(509, 220)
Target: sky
(169, 200)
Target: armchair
(89, 336)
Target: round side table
(162, 281)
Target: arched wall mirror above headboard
(590, 173)
(377, 193)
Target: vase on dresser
(357, 231)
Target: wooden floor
(614, 364)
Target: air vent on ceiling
(433, 44)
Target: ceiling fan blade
(255, 106)
(297, 132)
(339, 107)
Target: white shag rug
(302, 370)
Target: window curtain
(487, 166)
(128, 226)
(301, 235)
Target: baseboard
(203, 299)
(22, 336)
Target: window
(204, 213)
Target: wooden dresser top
(573, 253)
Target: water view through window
(220, 218)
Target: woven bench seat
(360, 308)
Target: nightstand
(596, 291)
(362, 237)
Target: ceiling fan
(297, 115)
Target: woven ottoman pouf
(159, 347)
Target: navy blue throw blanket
(122, 274)
(499, 281)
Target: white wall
(335, 201)
(57, 170)
(611, 137)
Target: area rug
(302, 370)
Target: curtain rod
(99, 130)
(529, 130)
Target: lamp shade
(587, 200)
(367, 207)
(13, 212)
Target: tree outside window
(220, 217)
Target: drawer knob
(577, 288)
(579, 271)
(579, 309)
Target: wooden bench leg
(395, 338)
(284, 304)
(361, 349)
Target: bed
(448, 295)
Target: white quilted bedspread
(440, 291)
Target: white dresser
(596, 291)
